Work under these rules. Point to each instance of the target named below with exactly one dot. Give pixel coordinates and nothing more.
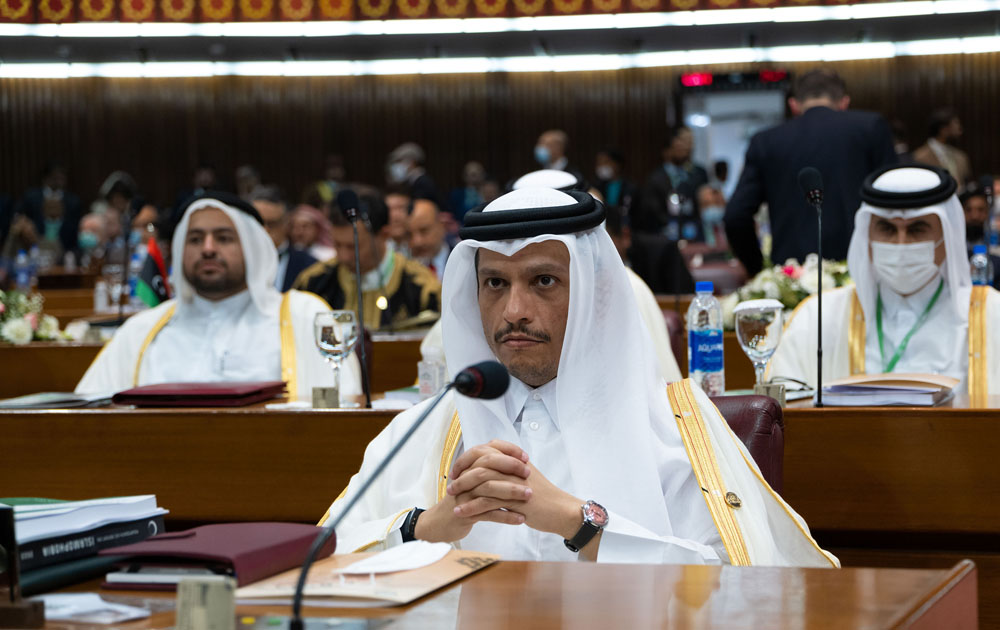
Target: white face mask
(398, 171)
(905, 268)
(604, 172)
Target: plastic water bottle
(35, 262)
(22, 271)
(704, 324)
(980, 266)
(134, 271)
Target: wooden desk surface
(912, 487)
(58, 367)
(545, 595)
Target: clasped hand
(495, 482)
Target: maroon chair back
(675, 332)
(758, 423)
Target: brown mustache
(520, 329)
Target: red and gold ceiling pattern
(63, 11)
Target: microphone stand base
(22, 613)
(326, 398)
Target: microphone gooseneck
(347, 201)
(811, 182)
(491, 381)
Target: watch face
(596, 513)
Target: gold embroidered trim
(782, 503)
(856, 335)
(154, 331)
(450, 445)
(288, 372)
(326, 515)
(977, 347)
(706, 469)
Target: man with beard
(228, 322)
(589, 454)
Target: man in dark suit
(844, 145)
(274, 212)
(668, 204)
(54, 210)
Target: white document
(88, 608)
(412, 555)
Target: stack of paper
(56, 400)
(878, 390)
(50, 531)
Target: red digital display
(773, 76)
(696, 79)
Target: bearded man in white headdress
(913, 308)
(649, 309)
(588, 454)
(228, 322)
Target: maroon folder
(235, 394)
(248, 551)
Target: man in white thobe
(228, 322)
(913, 308)
(583, 456)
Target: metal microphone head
(811, 182)
(488, 380)
(347, 201)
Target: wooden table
(545, 595)
(909, 487)
(900, 486)
(58, 367)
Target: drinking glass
(758, 327)
(112, 274)
(336, 334)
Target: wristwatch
(409, 529)
(595, 518)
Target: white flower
(16, 331)
(771, 290)
(48, 328)
(808, 281)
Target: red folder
(248, 551)
(235, 394)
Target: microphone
(486, 380)
(811, 182)
(347, 201)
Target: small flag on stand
(152, 287)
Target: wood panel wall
(159, 129)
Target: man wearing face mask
(713, 209)
(913, 308)
(614, 188)
(405, 167)
(550, 152)
(92, 240)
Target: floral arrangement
(789, 283)
(22, 320)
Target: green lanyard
(902, 346)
